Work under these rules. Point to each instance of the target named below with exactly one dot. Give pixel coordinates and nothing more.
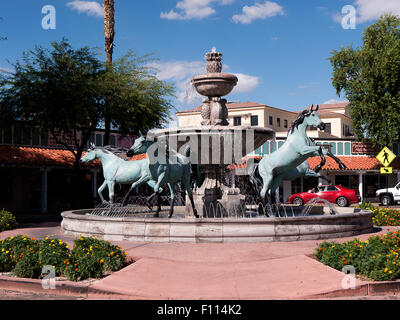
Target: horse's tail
(254, 176)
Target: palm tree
(109, 34)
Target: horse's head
(140, 146)
(312, 119)
(90, 154)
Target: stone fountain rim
(215, 76)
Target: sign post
(386, 156)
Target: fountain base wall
(348, 222)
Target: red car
(342, 196)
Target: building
(363, 169)
(37, 172)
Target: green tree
(369, 76)
(137, 100)
(58, 90)
(63, 90)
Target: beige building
(335, 116)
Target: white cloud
(245, 83)
(258, 11)
(369, 10)
(193, 9)
(181, 72)
(91, 8)
(334, 101)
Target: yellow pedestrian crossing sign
(386, 156)
(386, 170)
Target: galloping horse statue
(117, 169)
(287, 162)
(169, 172)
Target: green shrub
(377, 258)
(81, 267)
(53, 252)
(28, 266)
(113, 256)
(382, 216)
(25, 257)
(7, 220)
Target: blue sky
(278, 48)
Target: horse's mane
(299, 120)
(117, 151)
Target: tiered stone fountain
(216, 143)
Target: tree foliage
(63, 90)
(369, 76)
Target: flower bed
(90, 258)
(377, 258)
(7, 220)
(383, 216)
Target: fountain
(214, 143)
(225, 216)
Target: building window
(237, 121)
(26, 135)
(35, 136)
(285, 123)
(7, 135)
(254, 120)
(44, 139)
(17, 134)
(112, 140)
(99, 140)
(328, 127)
(271, 121)
(280, 144)
(347, 148)
(346, 130)
(273, 146)
(333, 148)
(340, 148)
(278, 122)
(266, 148)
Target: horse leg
(323, 160)
(312, 173)
(186, 183)
(111, 185)
(157, 214)
(172, 192)
(100, 191)
(340, 163)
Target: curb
(369, 289)
(65, 288)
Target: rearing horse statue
(297, 147)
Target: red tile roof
(37, 157)
(352, 163)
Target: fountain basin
(348, 222)
(214, 84)
(217, 144)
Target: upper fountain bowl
(214, 84)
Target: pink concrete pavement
(275, 270)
